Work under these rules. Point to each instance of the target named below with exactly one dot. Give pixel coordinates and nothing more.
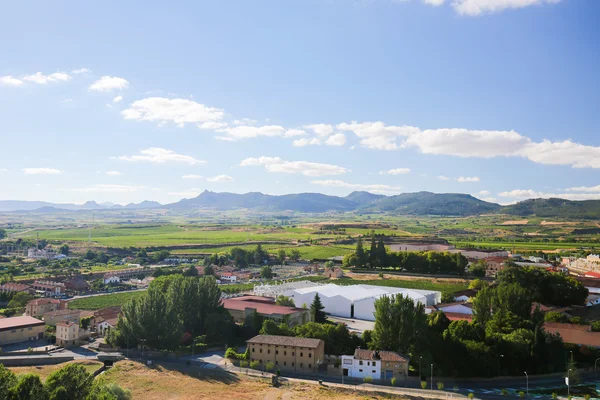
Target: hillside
(363, 197)
(555, 208)
(427, 203)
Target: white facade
(420, 247)
(228, 278)
(110, 279)
(480, 254)
(356, 301)
(361, 368)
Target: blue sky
(128, 101)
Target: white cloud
(444, 178)
(159, 156)
(220, 178)
(244, 121)
(81, 71)
(306, 142)
(212, 125)
(247, 131)
(42, 171)
(321, 130)
(42, 79)
(395, 171)
(10, 81)
(276, 164)
(478, 7)
(114, 173)
(3, 170)
(484, 193)
(566, 152)
(593, 189)
(376, 135)
(107, 188)
(117, 99)
(192, 176)
(109, 83)
(225, 138)
(434, 3)
(466, 179)
(294, 133)
(339, 139)
(178, 111)
(374, 188)
(522, 194)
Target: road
(104, 294)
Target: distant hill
(363, 197)
(45, 207)
(427, 203)
(554, 207)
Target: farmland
(108, 300)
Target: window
(373, 364)
(387, 364)
(29, 329)
(285, 353)
(253, 349)
(292, 354)
(373, 371)
(301, 354)
(268, 351)
(309, 355)
(292, 364)
(284, 363)
(360, 363)
(261, 350)
(260, 361)
(276, 362)
(276, 351)
(360, 370)
(301, 365)
(14, 331)
(309, 366)
(397, 365)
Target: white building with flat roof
(356, 301)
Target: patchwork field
(107, 300)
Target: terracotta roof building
(575, 334)
(243, 308)
(20, 329)
(38, 307)
(15, 287)
(287, 353)
(382, 365)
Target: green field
(108, 300)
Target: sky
(127, 101)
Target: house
(592, 274)
(13, 287)
(592, 300)
(67, 333)
(480, 254)
(38, 307)
(111, 279)
(454, 308)
(333, 272)
(376, 364)
(77, 284)
(104, 325)
(581, 335)
(49, 288)
(493, 265)
(20, 329)
(243, 308)
(465, 295)
(420, 247)
(287, 353)
(38, 254)
(227, 277)
(105, 314)
(52, 318)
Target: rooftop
(68, 324)
(17, 322)
(39, 302)
(261, 306)
(364, 354)
(62, 312)
(574, 334)
(286, 341)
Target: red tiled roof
(39, 302)
(458, 317)
(260, 306)
(364, 354)
(496, 259)
(574, 334)
(65, 323)
(19, 322)
(286, 341)
(14, 287)
(592, 274)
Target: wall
(289, 358)
(21, 334)
(34, 360)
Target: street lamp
(500, 356)
(420, 374)
(569, 383)
(527, 377)
(571, 351)
(431, 376)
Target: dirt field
(369, 277)
(44, 371)
(516, 222)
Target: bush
(440, 385)
(243, 364)
(423, 385)
(522, 394)
(278, 372)
(368, 379)
(587, 397)
(554, 395)
(393, 381)
(504, 392)
(269, 366)
(471, 395)
(254, 364)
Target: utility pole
(431, 376)
(527, 377)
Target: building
(67, 333)
(421, 247)
(592, 274)
(49, 288)
(77, 284)
(288, 353)
(38, 307)
(381, 365)
(452, 308)
(20, 329)
(110, 315)
(105, 325)
(243, 308)
(111, 279)
(227, 277)
(581, 335)
(54, 317)
(13, 287)
(333, 272)
(38, 254)
(465, 295)
(480, 254)
(356, 301)
(493, 265)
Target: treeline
(427, 262)
(505, 337)
(242, 258)
(71, 382)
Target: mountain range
(420, 203)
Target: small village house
(227, 277)
(287, 353)
(380, 365)
(20, 329)
(111, 279)
(335, 272)
(243, 309)
(13, 287)
(52, 318)
(38, 307)
(67, 334)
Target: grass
(44, 371)
(108, 300)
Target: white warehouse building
(356, 301)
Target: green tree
(285, 301)
(109, 391)
(90, 255)
(316, 310)
(209, 271)
(64, 249)
(553, 316)
(381, 254)
(281, 256)
(361, 256)
(266, 272)
(373, 261)
(8, 379)
(29, 387)
(74, 379)
(295, 255)
(102, 258)
(478, 284)
(190, 272)
(259, 255)
(20, 300)
(478, 268)
(2, 233)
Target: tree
(102, 258)
(373, 261)
(90, 255)
(281, 256)
(259, 255)
(361, 256)
(85, 322)
(109, 391)
(64, 249)
(29, 387)
(477, 284)
(209, 271)
(191, 271)
(381, 254)
(8, 379)
(75, 381)
(316, 310)
(285, 301)
(478, 268)
(20, 300)
(295, 255)
(266, 272)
